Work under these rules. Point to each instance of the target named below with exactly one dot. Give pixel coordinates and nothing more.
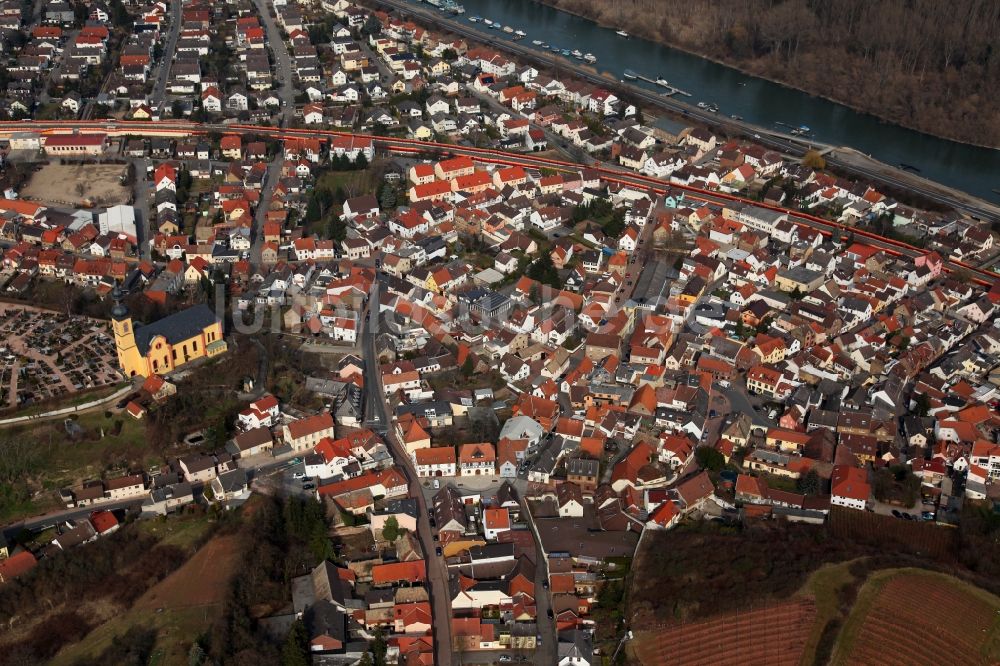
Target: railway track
(894, 247)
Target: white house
(569, 499)
(495, 521)
(435, 461)
(849, 487)
(262, 412)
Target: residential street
(740, 403)
(39, 523)
(160, 86)
(437, 573)
(142, 192)
(282, 64)
(282, 67)
(260, 214)
(546, 653)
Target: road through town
(377, 418)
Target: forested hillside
(927, 64)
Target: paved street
(740, 403)
(377, 419)
(260, 215)
(282, 63)
(282, 66)
(170, 45)
(39, 523)
(142, 191)
(545, 654)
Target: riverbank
(648, 28)
(873, 171)
(856, 161)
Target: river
(968, 168)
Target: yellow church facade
(167, 344)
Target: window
(194, 346)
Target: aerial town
(332, 336)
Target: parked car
(437, 551)
(308, 486)
(298, 475)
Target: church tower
(131, 361)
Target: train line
(140, 128)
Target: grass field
(354, 183)
(824, 587)
(180, 608)
(179, 530)
(906, 616)
(40, 458)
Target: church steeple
(129, 358)
(119, 310)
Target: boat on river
(621, 33)
(630, 75)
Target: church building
(167, 344)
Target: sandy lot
(71, 184)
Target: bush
(709, 458)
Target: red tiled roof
(103, 521)
(438, 455)
(851, 482)
(16, 565)
(414, 572)
(496, 518)
(310, 424)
